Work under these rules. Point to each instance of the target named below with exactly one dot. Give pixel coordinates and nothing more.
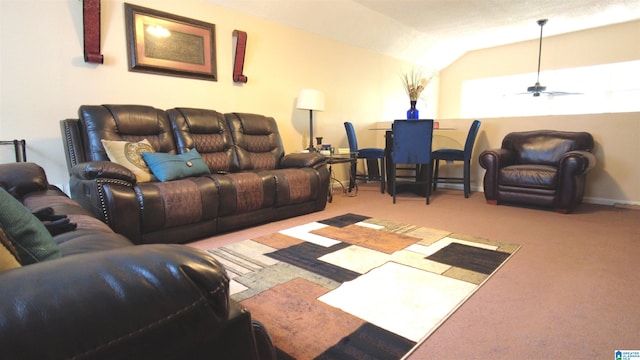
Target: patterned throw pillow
(26, 233)
(129, 155)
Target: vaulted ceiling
(434, 33)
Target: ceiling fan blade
(561, 93)
(540, 91)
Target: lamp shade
(310, 99)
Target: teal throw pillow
(28, 235)
(168, 167)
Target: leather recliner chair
(544, 168)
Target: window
(588, 90)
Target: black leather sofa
(252, 181)
(543, 168)
(107, 299)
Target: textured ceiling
(434, 33)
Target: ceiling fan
(538, 89)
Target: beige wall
(44, 79)
(616, 177)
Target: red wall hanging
(91, 18)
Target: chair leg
(382, 176)
(352, 178)
(435, 174)
(373, 170)
(467, 178)
(393, 179)
(429, 180)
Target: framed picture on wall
(167, 44)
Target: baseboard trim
(618, 203)
(627, 206)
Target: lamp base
(311, 148)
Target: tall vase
(412, 113)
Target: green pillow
(168, 167)
(28, 235)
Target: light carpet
(357, 287)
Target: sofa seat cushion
(87, 241)
(62, 205)
(244, 192)
(534, 176)
(178, 202)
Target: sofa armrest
(577, 162)
(572, 168)
(148, 301)
(102, 169)
(22, 178)
(496, 158)
(108, 191)
(300, 160)
(493, 160)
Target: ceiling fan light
(536, 88)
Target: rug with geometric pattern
(356, 287)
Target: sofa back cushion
(132, 123)
(258, 142)
(206, 131)
(545, 147)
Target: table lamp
(310, 99)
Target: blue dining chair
(412, 141)
(375, 155)
(450, 155)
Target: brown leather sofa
(104, 298)
(252, 181)
(543, 168)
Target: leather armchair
(544, 168)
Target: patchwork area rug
(355, 287)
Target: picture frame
(166, 44)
